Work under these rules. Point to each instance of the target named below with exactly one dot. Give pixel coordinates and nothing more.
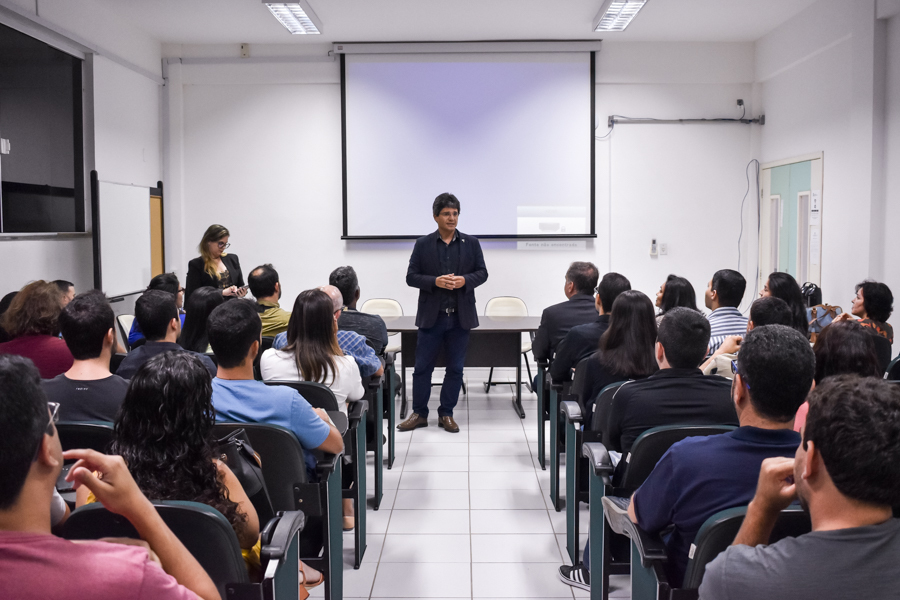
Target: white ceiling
(239, 21)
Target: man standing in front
(446, 266)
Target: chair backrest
(95, 435)
(505, 306)
(125, 322)
(883, 352)
(602, 404)
(114, 361)
(317, 394)
(649, 447)
(383, 307)
(719, 531)
(264, 345)
(892, 373)
(204, 531)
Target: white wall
(892, 173)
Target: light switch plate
(4, 146)
(663, 249)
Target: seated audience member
(350, 342)
(34, 564)
(312, 352)
(88, 391)
(782, 285)
(4, 306)
(767, 310)
(678, 393)
(723, 296)
(266, 288)
(156, 312)
(32, 321)
(166, 282)
(234, 332)
(873, 305)
(370, 326)
(676, 291)
(578, 309)
(583, 340)
(626, 349)
(66, 291)
(846, 474)
(193, 335)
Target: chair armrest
(389, 357)
(340, 420)
(355, 411)
(327, 463)
(651, 548)
(374, 382)
(599, 459)
(570, 411)
(558, 386)
(543, 364)
(278, 533)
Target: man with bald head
(351, 343)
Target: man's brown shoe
(448, 424)
(413, 422)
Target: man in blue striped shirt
(723, 296)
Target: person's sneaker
(413, 422)
(448, 424)
(576, 576)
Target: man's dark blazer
(425, 267)
(557, 320)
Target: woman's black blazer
(197, 277)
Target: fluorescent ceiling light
(615, 15)
(297, 17)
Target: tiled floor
(467, 515)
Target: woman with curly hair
(32, 323)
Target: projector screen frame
(590, 46)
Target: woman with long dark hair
(214, 267)
(676, 291)
(627, 348)
(193, 334)
(782, 285)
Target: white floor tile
(423, 580)
(438, 450)
(519, 548)
(511, 521)
(501, 463)
(432, 500)
(510, 480)
(427, 548)
(498, 435)
(429, 521)
(436, 464)
(517, 580)
(506, 499)
(434, 481)
(430, 435)
(499, 449)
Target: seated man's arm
(120, 494)
(334, 443)
(564, 360)
(774, 492)
(653, 504)
(362, 353)
(541, 344)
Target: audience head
(873, 301)
(776, 368)
(212, 246)
(676, 291)
(854, 426)
(684, 337)
(725, 289)
(337, 299)
(168, 282)
(627, 346)
(770, 310)
(164, 431)
(345, 280)
(312, 335)
(24, 421)
(845, 347)
(194, 335)
(609, 289)
(782, 285)
(443, 201)
(581, 278)
(66, 291)
(235, 332)
(33, 311)
(263, 282)
(154, 311)
(4, 305)
(87, 325)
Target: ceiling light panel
(615, 15)
(298, 18)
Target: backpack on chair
(818, 315)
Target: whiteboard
(125, 255)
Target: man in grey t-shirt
(846, 473)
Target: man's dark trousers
(446, 333)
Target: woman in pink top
(32, 323)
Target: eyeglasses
(734, 368)
(223, 245)
(53, 409)
(180, 290)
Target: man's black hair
(770, 310)
(730, 286)
(443, 201)
(584, 275)
(262, 281)
(609, 289)
(345, 279)
(877, 300)
(23, 421)
(854, 423)
(684, 335)
(232, 328)
(63, 285)
(84, 323)
(154, 309)
(777, 365)
(167, 282)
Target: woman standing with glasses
(214, 268)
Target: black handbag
(235, 451)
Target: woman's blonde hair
(214, 233)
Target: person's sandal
(305, 582)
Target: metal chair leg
(487, 384)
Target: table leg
(403, 392)
(517, 399)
